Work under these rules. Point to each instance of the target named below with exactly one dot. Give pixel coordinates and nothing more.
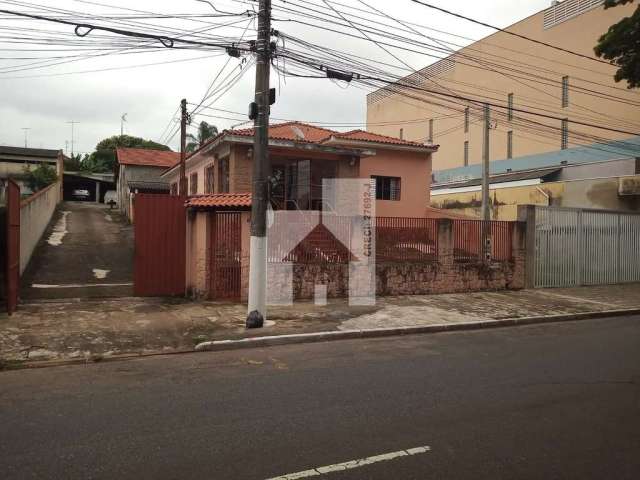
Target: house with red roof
(302, 156)
(219, 177)
(140, 170)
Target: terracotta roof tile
(296, 131)
(304, 132)
(234, 200)
(147, 157)
(374, 137)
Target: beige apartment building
(511, 71)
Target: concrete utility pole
(486, 211)
(257, 312)
(183, 147)
(26, 131)
(72, 137)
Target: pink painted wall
(414, 170)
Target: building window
(387, 188)
(223, 175)
(174, 188)
(466, 120)
(209, 185)
(193, 187)
(565, 92)
(466, 153)
(510, 107)
(401, 134)
(564, 143)
(510, 144)
(431, 131)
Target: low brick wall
(395, 279)
(445, 275)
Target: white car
(81, 194)
(110, 196)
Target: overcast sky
(46, 99)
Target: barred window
(565, 92)
(209, 186)
(174, 188)
(387, 188)
(223, 175)
(510, 144)
(466, 153)
(564, 142)
(510, 107)
(193, 187)
(466, 120)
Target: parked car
(81, 194)
(110, 198)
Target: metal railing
(469, 237)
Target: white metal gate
(585, 247)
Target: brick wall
(406, 278)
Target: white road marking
(81, 285)
(59, 230)
(98, 273)
(361, 462)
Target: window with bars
(193, 184)
(564, 142)
(174, 188)
(510, 107)
(565, 92)
(401, 133)
(466, 153)
(431, 130)
(466, 120)
(223, 175)
(387, 188)
(209, 177)
(510, 144)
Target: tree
(205, 132)
(40, 177)
(104, 157)
(74, 163)
(621, 45)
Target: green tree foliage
(621, 45)
(104, 157)
(74, 163)
(40, 177)
(205, 132)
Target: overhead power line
(524, 37)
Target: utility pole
(123, 119)
(72, 137)
(184, 117)
(486, 211)
(26, 131)
(261, 170)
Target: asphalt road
(86, 251)
(537, 402)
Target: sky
(45, 100)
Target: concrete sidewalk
(96, 329)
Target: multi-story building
(519, 76)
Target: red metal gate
(13, 246)
(160, 243)
(226, 255)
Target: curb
(301, 338)
(269, 341)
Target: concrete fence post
(445, 241)
(527, 214)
